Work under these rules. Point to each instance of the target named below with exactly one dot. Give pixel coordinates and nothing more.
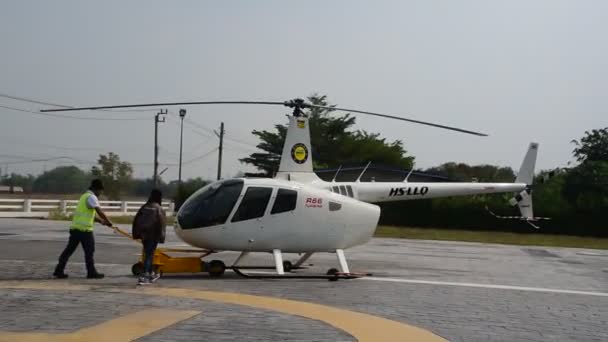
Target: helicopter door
(253, 205)
(285, 201)
(282, 216)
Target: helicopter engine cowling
(265, 214)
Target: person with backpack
(149, 226)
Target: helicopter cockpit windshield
(210, 205)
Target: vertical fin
(296, 160)
(526, 171)
(526, 175)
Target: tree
(26, 182)
(62, 180)
(468, 173)
(586, 185)
(143, 187)
(333, 143)
(593, 146)
(187, 189)
(116, 175)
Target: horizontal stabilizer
(528, 220)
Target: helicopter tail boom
(375, 192)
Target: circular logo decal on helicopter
(299, 153)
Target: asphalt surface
(458, 291)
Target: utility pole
(182, 115)
(157, 119)
(219, 160)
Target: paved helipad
(420, 291)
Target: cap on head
(96, 184)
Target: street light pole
(157, 119)
(182, 115)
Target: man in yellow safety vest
(81, 231)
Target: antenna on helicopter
(409, 173)
(336, 175)
(362, 172)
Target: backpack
(146, 223)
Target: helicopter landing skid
(333, 276)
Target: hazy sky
(520, 71)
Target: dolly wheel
(333, 272)
(287, 266)
(216, 268)
(137, 268)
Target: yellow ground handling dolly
(164, 263)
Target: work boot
(95, 275)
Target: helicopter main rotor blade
(399, 118)
(164, 104)
(297, 104)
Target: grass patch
(492, 237)
(57, 215)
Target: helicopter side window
(286, 201)
(333, 206)
(349, 189)
(343, 190)
(210, 205)
(253, 204)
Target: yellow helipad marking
(125, 328)
(363, 327)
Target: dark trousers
(149, 248)
(88, 245)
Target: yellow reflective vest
(84, 217)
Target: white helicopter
(297, 212)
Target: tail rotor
(523, 199)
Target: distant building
(6, 189)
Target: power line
(212, 133)
(48, 159)
(200, 157)
(193, 129)
(205, 142)
(24, 99)
(69, 116)
(194, 123)
(29, 159)
(166, 151)
(242, 142)
(21, 142)
(237, 148)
